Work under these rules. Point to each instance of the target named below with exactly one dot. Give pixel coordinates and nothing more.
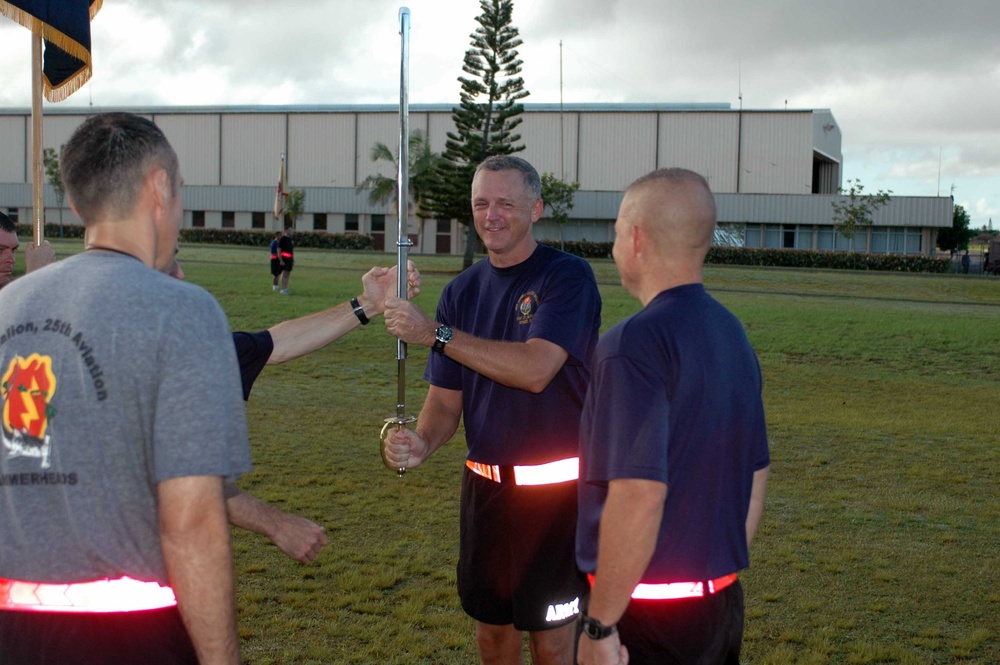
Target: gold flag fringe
(71, 46)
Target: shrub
(787, 258)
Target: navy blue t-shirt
(676, 398)
(552, 296)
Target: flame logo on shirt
(526, 306)
(28, 385)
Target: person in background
(674, 453)
(286, 255)
(511, 345)
(122, 424)
(8, 248)
(275, 262)
(35, 257)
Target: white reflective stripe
(559, 471)
(121, 595)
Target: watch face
(443, 333)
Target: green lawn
(880, 541)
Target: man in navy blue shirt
(511, 346)
(674, 453)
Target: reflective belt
(274, 257)
(675, 590)
(550, 473)
(286, 255)
(121, 595)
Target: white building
(774, 173)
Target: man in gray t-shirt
(122, 419)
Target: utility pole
(562, 149)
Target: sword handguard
(400, 422)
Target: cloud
(911, 82)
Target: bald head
(676, 210)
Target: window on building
(378, 232)
(773, 236)
(319, 221)
(843, 244)
(753, 235)
(824, 238)
(198, 219)
(788, 236)
(829, 240)
(258, 220)
(803, 237)
(897, 240)
(880, 240)
(351, 223)
(228, 219)
(442, 239)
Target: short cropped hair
(6, 224)
(676, 176)
(106, 160)
(512, 163)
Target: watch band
(359, 312)
(594, 629)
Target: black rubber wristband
(359, 311)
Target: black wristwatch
(442, 336)
(359, 311)
(596, 630)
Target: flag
(280, 194)
(65, 27)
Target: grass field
(881, 537)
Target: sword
(403, 243)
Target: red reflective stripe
(274, 257)
(550, 473)
(676, 590)
(560, 471)
(121, 595)
(287, 255)
(488, 471)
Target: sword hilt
(399, 422)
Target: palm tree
(422, 171)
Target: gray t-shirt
(114, 377)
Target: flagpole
(38, 174)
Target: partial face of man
(8, 245)
(504, 210)
(168, 232)
(621, 251)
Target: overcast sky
(913, 84)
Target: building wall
(705, 143)
(759, 163)
(14, 143)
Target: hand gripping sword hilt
(399, 422)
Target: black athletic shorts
(288, 265)
(122, 638)
(696, 631)
(517, 557)
(275, 267)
